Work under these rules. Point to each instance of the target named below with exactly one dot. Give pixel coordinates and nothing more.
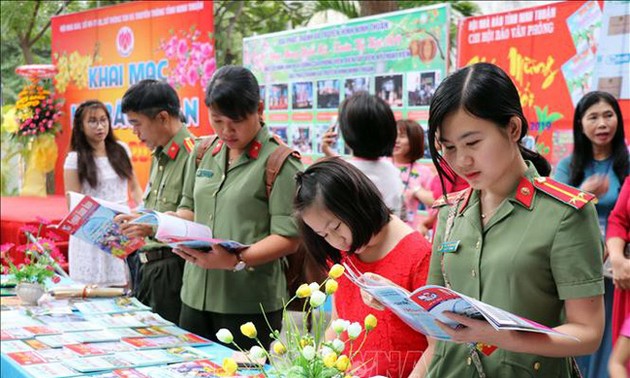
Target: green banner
(305, 74)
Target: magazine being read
(176, 231)
(421, 308)
(92, 220)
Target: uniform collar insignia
(217, 148)
(525, 192)
(254, 149)
(172, 151)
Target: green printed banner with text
(305, 74)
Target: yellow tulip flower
(249, 329)
(336, 271)
(230, 366)
(370, 322)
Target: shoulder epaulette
(573, 197)
(450, 198)
(189, 144)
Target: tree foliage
(235, 20)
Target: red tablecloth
(16, 212)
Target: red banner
(102, 52)
(551, 54)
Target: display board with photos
(305, 74)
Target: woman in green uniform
(515, 240)
(226, 191)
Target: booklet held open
(421, 308)
(176, 232)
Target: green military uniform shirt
(535, 252)
(164, 190)
(235, 206)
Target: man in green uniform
(153, 109)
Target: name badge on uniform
(204, 173)
(448, 246)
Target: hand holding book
(429, 310)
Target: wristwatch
(240, 265)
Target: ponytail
(540, 163)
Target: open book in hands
(421, 308)
(176, 232)
(92, 220)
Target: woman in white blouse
(100, 166)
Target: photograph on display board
(318, 131)
(562, 143)
(280, 131)
(421, 87)
(390, 89)
(357, 84)
(301, 139)
(328, 94)
(303, 95)
(585, 25)
(278, 97)
(578, 73)
(262, 94)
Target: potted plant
(33, 263)
(302, 353)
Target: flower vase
(29, 292)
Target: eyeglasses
(94, 123)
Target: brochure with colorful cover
(130, 319)
(10, 346)
(421, 308)
(166, 341)
(98, 363)
(60, 317)
(111, 305)
(53, 370)
(17, 318)
(42, 356)
(156, 331)
(92, 220)
(27, 332)
(132, 359)
(76, 326)
(121, 373)
(97, 349)
(36, 344)
(95, 336)
(199, 368)
(176, 231)
(57, 341)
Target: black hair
(582, 146)
(367, 125)
(484, 91)
(415, 134)
(346, 192)
(149, 97)
(116, 153)
(233, 91)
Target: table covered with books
(99, 337)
